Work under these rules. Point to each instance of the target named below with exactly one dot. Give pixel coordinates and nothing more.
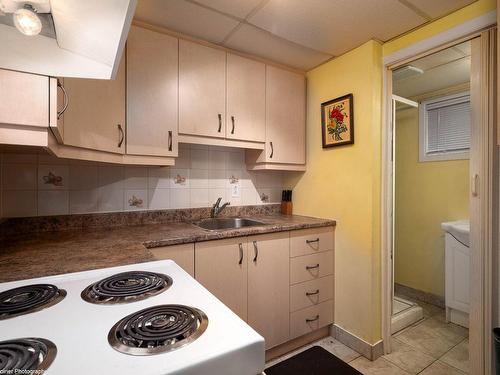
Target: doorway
(480, 188)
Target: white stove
(79, 329)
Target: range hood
(79, 38)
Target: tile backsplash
(39, 184)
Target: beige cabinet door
(152, 93)
(246, 99)
(285, 116)
(221, 267)
(269, 286)
(182, 254)
(95, 117)
(202, 90)
(24, 99)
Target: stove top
(158, 329)
(126, 287)
(29, 298)
(28, 354)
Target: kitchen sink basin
(227, 223)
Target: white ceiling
(298, 33)
(442, 70)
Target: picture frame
(337, 121)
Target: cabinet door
(152, 93)
(246, 99)
(183, 255)
(95, 117)
(221, 267)
(269, 286)
(202, 90)
(285, 116)
(24, 99)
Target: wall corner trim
(367, 350)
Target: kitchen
(164, 169)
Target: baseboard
(296, 343)
(419, 295)
(367, 350)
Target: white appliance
(457, 271)
(80, 329)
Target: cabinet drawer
(311, 293)
(183, 255)
(311, 241)
(310, 267)
(310, 319)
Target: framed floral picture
(337, 121)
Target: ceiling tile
(186, 18)
(252, 40)
(440, 7)
(335, 26)
(240, 8)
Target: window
(445, 128)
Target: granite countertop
(50, 253)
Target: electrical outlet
(235, 191)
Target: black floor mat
(313, 361)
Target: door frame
(482, 261)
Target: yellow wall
(343, 183)
(427, 194)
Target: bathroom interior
(431, 144)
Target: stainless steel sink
(227, 223)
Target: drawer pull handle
(312, 293)
(312, 241)
(241, 253)
(122, 135)
(256, 250)
(312, 267)
(312, 320)
(220, 122)
(232, 120)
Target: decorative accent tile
(133, 201)
(53, 177)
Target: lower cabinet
(221, 267)
(183, 255)
(268, 286)
(280, 295)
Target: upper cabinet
(152, 93)
(24, 99)
(202, 90)
(95, 117)
(246, 99)
(285, 122)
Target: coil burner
(29, 298)
(126, 287)
(28, 354)
(157, 329)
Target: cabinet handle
(312, 320)
(312, 267)
(232, 120)
(122, 135)
(65, 100)
(256, 250)
(272, 150)
(220, 122)
(241, 253)
(308, 294)
(312, 241)
(170, 140)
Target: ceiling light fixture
(27, 21)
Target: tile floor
(428, 347)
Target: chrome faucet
(216, 209)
